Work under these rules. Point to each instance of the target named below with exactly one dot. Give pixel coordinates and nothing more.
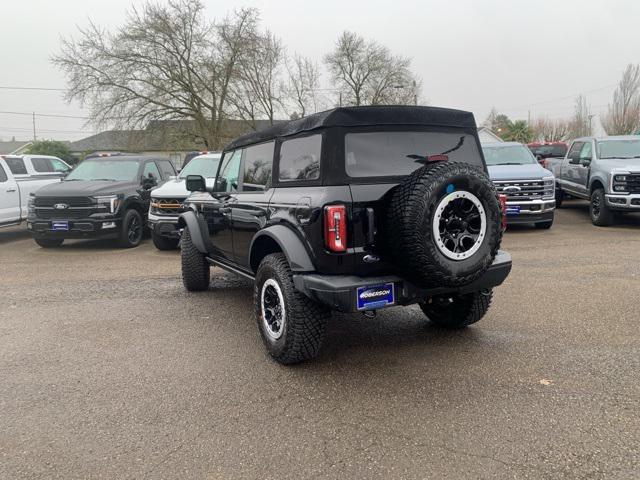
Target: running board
(230, 269)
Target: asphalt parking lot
(109, 369)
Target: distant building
(487, 136)
(13, 147)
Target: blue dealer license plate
(513, 209)
(376, 296)
(60, 226)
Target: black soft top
(361, 116)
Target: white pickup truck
(25, 166)
(15, 192)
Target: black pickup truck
(353, 209)
(103, 197)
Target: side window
(167, 168)
(258, 162)
(574, 153)
(42, 165)
(16, 165)
(300, 159)
(151, 171)
(58, 166)
(229, 172)
(3, 175)
(586, 153)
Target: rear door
(572, 170)
(249, 207)
(9, 198)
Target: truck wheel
(457, 311)
(49, 242)
(195, 268)
(601, 215)
(559, 197)
(292, 326)
(444, 225)
(164, 243)
(131, 229)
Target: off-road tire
(125, 240)
(305, 320)
(196, 273)
(49, 242)
(164, 243)
(458, 312)
(410, 217)
(601, 216)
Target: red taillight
(335, 228)
(503, 208)
(543, 162)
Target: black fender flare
(290, 244)
(198, 230)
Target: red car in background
(544, 150)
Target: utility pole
(34, 125)
(340, 93)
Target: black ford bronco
(103, 197)
(353, 209)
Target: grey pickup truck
(605, 171)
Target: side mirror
(585, 162)
(196, 183)
(149, 182)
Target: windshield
(103, 169)
(545, 151)
(389, 154)
(511, 155)
(205, 166)
(619, 148)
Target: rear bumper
(339, 292)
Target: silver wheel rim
(272, 306)
(459, 225)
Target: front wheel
(292, 325)
(49, 242)
(457, 311)
(601, 214)
(131, 229)
(164, 243)
(546, 225)
(196, 272)
(559, 197)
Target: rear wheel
(195, 268)
(457, 311)
(559, 198)
(49, 242)
(601, 214)
(292, 325)
(164, 243)
(131, 229)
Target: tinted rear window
(16, 165)
(387, 154)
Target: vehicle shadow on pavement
(13, 234)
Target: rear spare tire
(443, 225)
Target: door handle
(225, 209)
(10, 190)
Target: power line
(50, 115)
(45, 89)
(511, 109)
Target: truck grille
(70, 201)
(167, 206)
(521, 190)
(633, 183)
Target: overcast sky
(519, 56)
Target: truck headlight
(31, 204)
(619, 183)
(549, 186)
(111, 202)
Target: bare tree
(547, 130)
(623, 115)
(303, 82)
(258, 91)
(369, 73)
(166, 62)
(580, 124)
